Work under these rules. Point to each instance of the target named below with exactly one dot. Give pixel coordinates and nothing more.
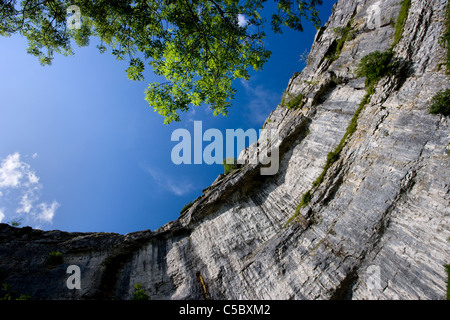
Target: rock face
(376, 227)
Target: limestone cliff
(374, 225)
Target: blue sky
(81, 150)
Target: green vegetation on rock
(445, 39)
(6, 293)
(140, 293)
(229, 165)
(345, 34)
(54, 258)
(440, 104)
(291, 102)
(375, 66)
(401, 21)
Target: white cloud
(47, 211)
(176, 186)
(35, 155)
(26, 205)
(242, 20)
(20, 191)
(2, 215)
(11, 171)
(32, 178)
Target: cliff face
(374, 227)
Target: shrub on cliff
(376, 65)
(6, 293)
(54, 258)
(186, 207)
(139, 292)
(229, 164)
(441, 103)
(292, 102)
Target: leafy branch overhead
(198, 46)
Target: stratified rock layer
(377, 227)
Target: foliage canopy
(198, 46)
